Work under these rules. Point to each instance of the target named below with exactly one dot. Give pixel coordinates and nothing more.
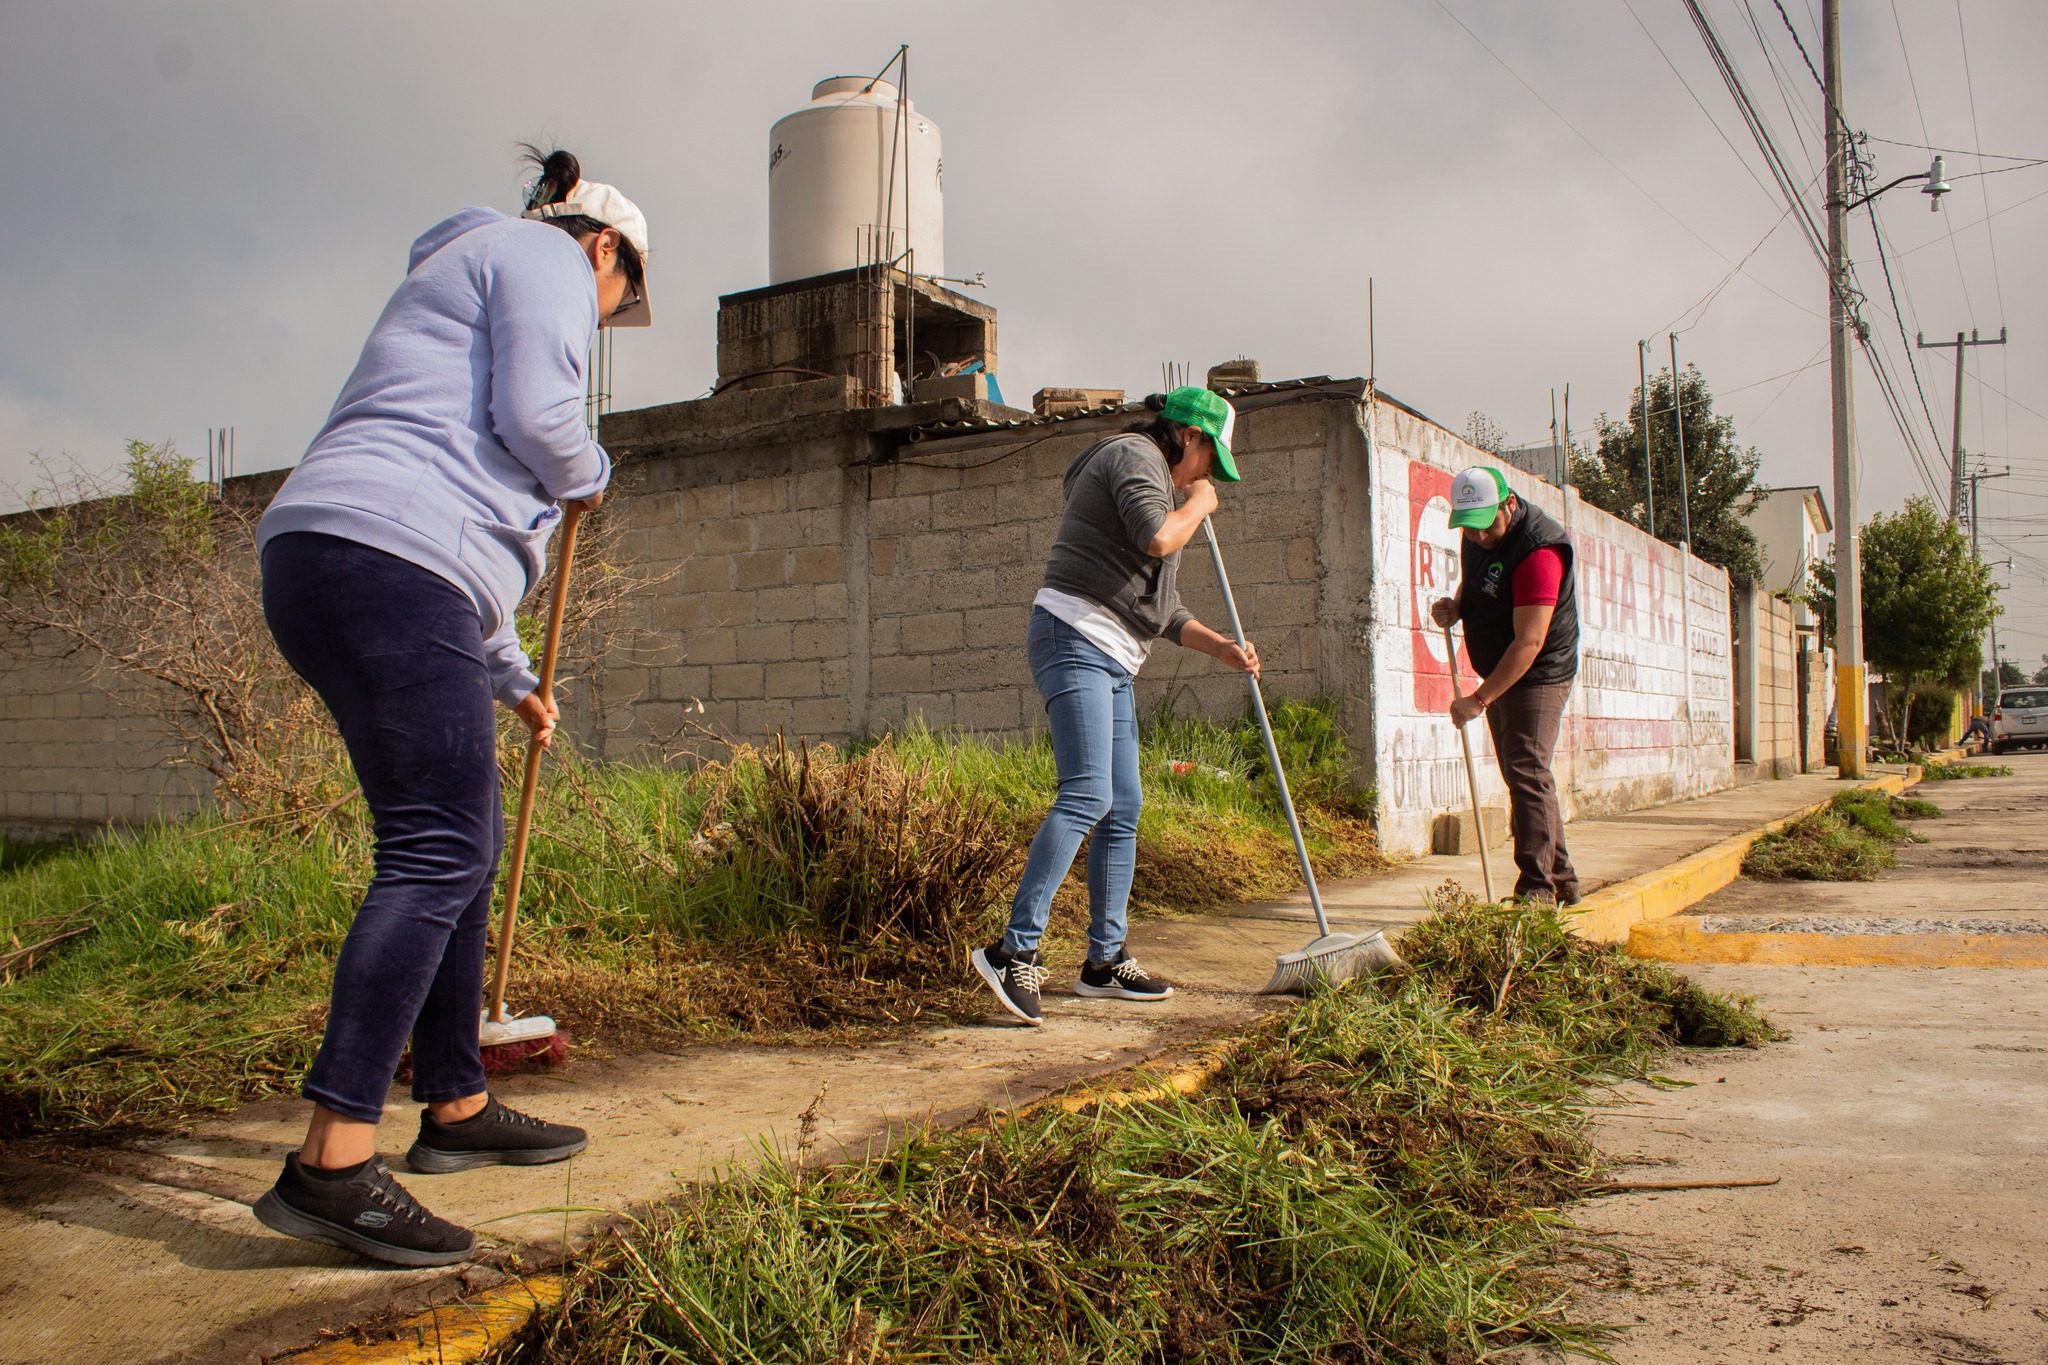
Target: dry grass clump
(1849, 841)
(1368, 1178)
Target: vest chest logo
(1491, 585)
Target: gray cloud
(211, 202)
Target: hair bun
(1155, 402)
(560, 172)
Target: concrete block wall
(73, 757)
(1767, 683)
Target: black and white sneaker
(1015, 979)
(493, 1136)
(365, 1211)
(1122, 979)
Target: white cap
(1476, 495)
(602, 204)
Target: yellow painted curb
(1683, 940)
(452, 1334)
(1610, 914)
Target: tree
(2011, 674)
(1927, 601)
(2041, 673)
(1484, 432)
(1720, 476)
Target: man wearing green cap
(1519, 604)
(1109, 593)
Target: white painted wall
(1652, 713)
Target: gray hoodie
(463, 423)
(1118, 492)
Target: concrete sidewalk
(151, 1253)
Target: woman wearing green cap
(1109, 593)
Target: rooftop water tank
(829, 181)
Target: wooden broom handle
(552, 647)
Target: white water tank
(829, 181)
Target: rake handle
(530, 784)
(1315, 897)
(1471, 774)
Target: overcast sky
(211, 202)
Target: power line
(1701, 104)
(1611, 162)
(1930, 147)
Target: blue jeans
(397, 653)
(1090, 705)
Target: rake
(1471, 773)
(1330, 958)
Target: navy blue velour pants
(397, 654)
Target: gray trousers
(1524, 725)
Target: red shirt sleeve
(1538, 578)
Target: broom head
(519, 1042)
(1330, 960)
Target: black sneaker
(1014, 979)
(493, 1136)
(1122, 979)
(367, 1212)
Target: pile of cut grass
(1851, 840)
(1952, 772)
(790, 893)
(1368, 1177)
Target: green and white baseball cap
(1210, 413)
(1476, 496)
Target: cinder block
(757, 497)
(780, 530)
(738, 682)
(760, 569)
(765, 644)
(707, 574)
(999, 709)
(724, 535)
(933, 632)
(900, 515)
(798, 679)
(1281, 604)
(900, 674)
(796, 603)
(818, 564)
(829, 601)
(914, 478)
(708, 502)
(882, 555)
(820, 488)
(970, 507)
(682, 683)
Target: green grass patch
(793, 893)
(1851, 840)
(1368, 1178)
(1953, 772)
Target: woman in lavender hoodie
(393, 560)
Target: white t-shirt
(1099, 626)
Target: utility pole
(1955, 465)
(1851, 731)
(1678, 422)
(1649, 469)
(1976, 480)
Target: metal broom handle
(1266, 730)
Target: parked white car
(2020, 719)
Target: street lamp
(1937, 185)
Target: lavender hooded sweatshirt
(463, 423)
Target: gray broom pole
(1471, 773)
(1266, 730)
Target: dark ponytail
(1166, 435)
(558, 175)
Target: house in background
(1793, 533)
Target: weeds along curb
(1611, 913)
(459, 1333)
(468, 1330)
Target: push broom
(513, 1041)
(1330, 958)
(1471, 774)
